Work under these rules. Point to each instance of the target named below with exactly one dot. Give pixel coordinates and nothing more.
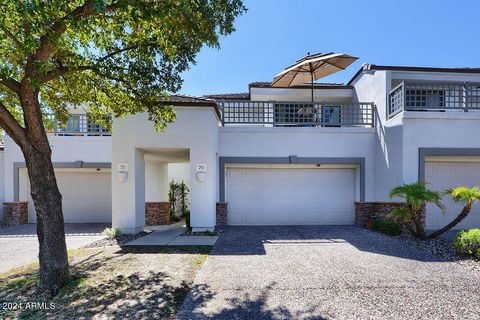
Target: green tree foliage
(114, 57)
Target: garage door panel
(86, 195)
(290, 196)
(443, 175)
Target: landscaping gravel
(443, 248)
(189, 233)
(117, 241)
(328, 273)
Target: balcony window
(289, 114)
(332, 116)
(81, 124)
(425, 98)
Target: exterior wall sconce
(201, 176)
(122, 176)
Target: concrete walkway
(19, 244)
(171, 235)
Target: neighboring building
(274, 156)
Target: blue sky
(275, 33)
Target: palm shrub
(415, 196)
(469, 196)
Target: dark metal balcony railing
(434, 96)
(298, 114)
(77, 125)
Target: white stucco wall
(295, 94)
(156, 181)
(436, 130)
(64, 149)
(196, 129)
(303, 142)
(373, 87)
(179, 172)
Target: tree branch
(13, 37)
(11, 126)
(60, 71)
(10, 83)
(59, 27)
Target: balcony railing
(298, 114)
(434, 96)
(77, 125)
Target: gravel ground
(118, 241)
(442, 247)
(327, 273)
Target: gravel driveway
(327, 273)
(19, 244)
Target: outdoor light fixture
(122, 176)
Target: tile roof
(229, 96)
(316, 85)
(366, 67)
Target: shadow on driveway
(327, 272)
(252, 240)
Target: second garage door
(441, 175)
(86, 194)
(290, 196)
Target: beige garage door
(441, 175)
(86, 194)
(290, 196)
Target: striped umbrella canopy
(311, 68)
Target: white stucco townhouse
(271, 155)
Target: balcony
(77, 125)
(297, 114)
(434, 97)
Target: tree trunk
(417, 221)
(465, 211)
(50, 226)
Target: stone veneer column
(157, 213)
(222, 214)
(365, 211)
(15, 213)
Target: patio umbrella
(311, 68)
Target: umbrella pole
(311, 82)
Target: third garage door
(290, 196)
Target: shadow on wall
(253, 240)
(240, 307)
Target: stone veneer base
(157, 213)
(377, 210)
(15, 213)
(221, 214)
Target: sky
(273, 34)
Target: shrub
(388, 227)
(187, 219)
(178, 197)
(112, 232)
(468, 242)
